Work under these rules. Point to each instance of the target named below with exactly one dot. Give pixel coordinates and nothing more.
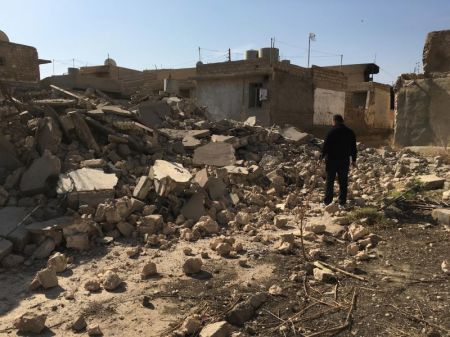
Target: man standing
(339, 147)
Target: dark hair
(338, 119)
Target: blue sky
(143, 34)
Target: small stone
(47, 278)
(324, 275)
(275, 290)
(92, 285)
(149, 270)
(187, 251)
(58, 262)
(125, 228)
(353, 249)
(316, 228)
(30, 323)
(94, 330)
(445, 266)
(79, 324)
(133, 252)
(357, 232)
(281, 221)
(349, 265)
(111, 280)
(192, 266)
(223, 249)
(218, 329)
(243, 263)
(191, 325)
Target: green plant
(371, 215)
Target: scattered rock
(192, 266)
(92, 285)
(47, 278)
(58, 262)
(79, 324)
(149, 270)
(111, 280)
(94, 330)
(218, 329)
(30, 323)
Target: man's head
(338, 120)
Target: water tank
(251, 54)
(3, 37)
(272, 54)
(110, 62)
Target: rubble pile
(86, 167)
(84, 171)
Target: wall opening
(253, 95)
(359, 99)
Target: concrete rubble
(100, 174)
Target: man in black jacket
(339, 147)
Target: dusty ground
(404, 280)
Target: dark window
(253, 95)
(359, 99)
(2, 61)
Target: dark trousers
(341, 169)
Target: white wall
(326, 104)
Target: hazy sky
(143, 34)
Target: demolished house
(422, 100)
(19, 64)
(123, 82)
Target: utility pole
(199, 55)
(312, 37)
(53, 63)
(342, 56)
(73, 63)
(229, 54)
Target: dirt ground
(405, 292)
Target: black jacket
(340, 143)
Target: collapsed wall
(422, 101)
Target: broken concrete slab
(216, 188)
(215, 154)
(41, 227)
(35, 179)
(431, 182)
(168, 176)
(87, 186)
(190, 142)
(83, 131)
(48, 135)
(176, 134)
(293, 134)
(218, 329)
(225, 139)
(142, 188)
(116, 110)
(442, 215)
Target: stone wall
(436, 52)
(18, 63)
(422, 112)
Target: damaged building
(19, 64)
(278, 92)
(422, 100)
(120, 81)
